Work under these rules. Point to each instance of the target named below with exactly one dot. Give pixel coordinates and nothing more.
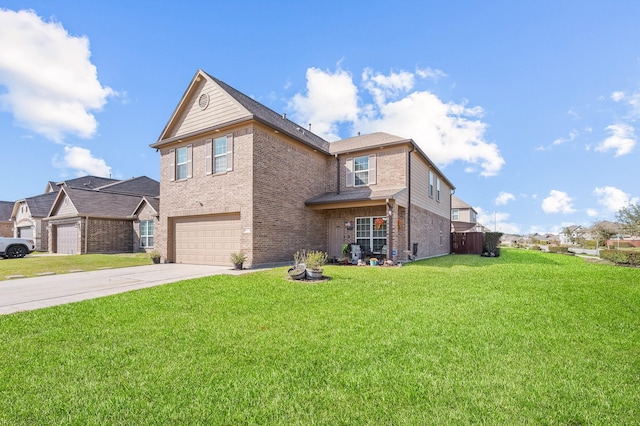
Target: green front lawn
(528, 337)
(36, 264)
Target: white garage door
(207, 240)
(25, 232)
(67, 239)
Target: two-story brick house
(237, 176)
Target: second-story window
(219, 155)
(455, 214)
(430, 183)
(438, 189)
(182, 162)
(361, 171)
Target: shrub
(491, 243)
(238, 258)
(315, 259)
(559, 249)
(621, 257)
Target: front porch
(376, 223)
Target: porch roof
(356, 197)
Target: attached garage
(25, 232)
(66, 238)
(206, 240)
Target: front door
(336, 237)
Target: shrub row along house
(89, 215)
(237, 176)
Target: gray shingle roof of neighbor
(356, 195)
(272, 118)
(373, 140)
(6, 207)
(88, 182)
(106, 204)
(141, 185)
(40, 205)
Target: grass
(32, 266)
(528, 337)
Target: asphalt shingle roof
(40, 205)
(141, 185)
(6, 207)
(356, 195)
(274, 119)
(97, 203)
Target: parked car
(15, 247)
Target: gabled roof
(6, 208)
(88, 182)
(363, 194)
(457, 203)
(373, 140)
(141, 185)
(255, 110)
(97, 203)
(39, 205)
(154, 202)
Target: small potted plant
(155, 257)
(299, 269)
(373, 261)
(238, 259)
(315, 260)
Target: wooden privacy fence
(467, 242)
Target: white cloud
(497, 221)
(331, 99)
(504, 198)
(592, 212)
(82, 162)
(622, 139)
(613, 199)
(572, 135)
(558, 202)
(446, 132)
(617, 96)
(51, 84)
(430, 73)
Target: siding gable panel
(221, 109)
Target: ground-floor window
(146, 233)
(371, 233)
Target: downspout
(337, 174)
(409, 196)
(453, 191)
(86, 234)
(389, 230)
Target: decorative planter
(373, 262)
(237, 266)
(313, 274)
(297, 273)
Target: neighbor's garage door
(207, 240)
(67, 239)
(25, 232)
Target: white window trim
(145, 236)
(371, 231)
(430, 184)
(350, 178)
(173, 158)
(210, 155)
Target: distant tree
(575, 234)
(602, 232)
(629, 217)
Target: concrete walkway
(26, 294)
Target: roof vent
(203, 101)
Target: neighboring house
(29, 217)
(571, 234)
(464, 218)
(29, 214)
(237, 176)
(120, 216)
(6, 225)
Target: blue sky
(531, 109)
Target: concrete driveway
(26, 294)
